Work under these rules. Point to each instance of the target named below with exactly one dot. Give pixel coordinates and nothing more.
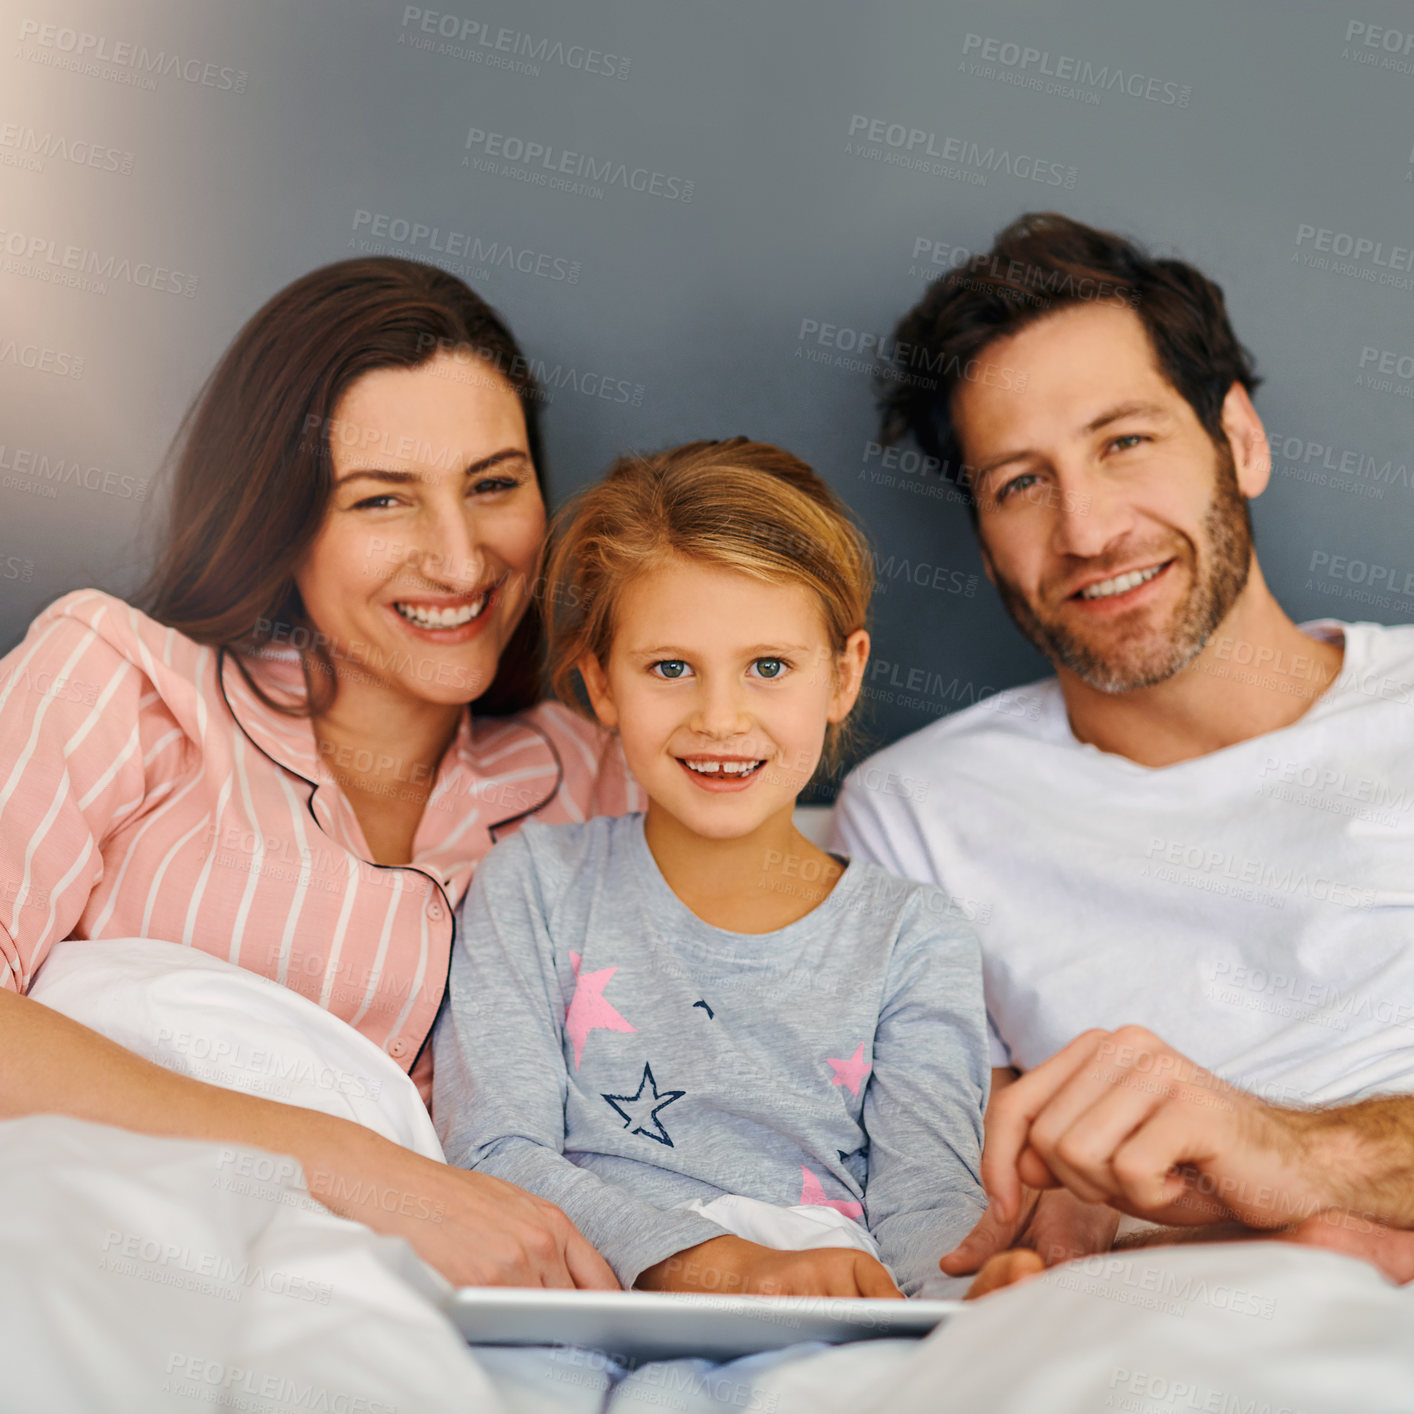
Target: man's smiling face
(1115, 530)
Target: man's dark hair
(1041, 263)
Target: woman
(274, 760)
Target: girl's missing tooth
(708, 1041)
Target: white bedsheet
(169, 1274)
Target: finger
(587, 1268)
(1005, 1269)
(1064, 1228)
(554, 1273)
(1081, 1153)
(990, 1236)
(1191, 1208)
(1034, 1172)
(1010, 1116)
(1144, 1165)
(873, 1279)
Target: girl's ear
(849, 675)
(596, 684)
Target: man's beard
(1136, 655)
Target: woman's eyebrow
(401, 477)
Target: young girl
(701, 1036)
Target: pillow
(201, 1016)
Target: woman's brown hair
(253, 473)
(738, 504)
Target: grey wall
(1264, 142)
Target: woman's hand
(475, 1229)
(733, 1266)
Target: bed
(151, 1274)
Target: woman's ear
(596, 684)
(849, 675)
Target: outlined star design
(850, 1072)
(589, 1010)
(635, 1120)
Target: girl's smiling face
(721, 686)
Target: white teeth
(442, 618)
(1120, 585)
(714, 768)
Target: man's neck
(1256, 674)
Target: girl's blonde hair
(739, 504)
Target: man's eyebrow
(402, 477)
(1125, 410)
(1133, 409)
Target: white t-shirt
(1254, 907)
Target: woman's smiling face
(423, 565)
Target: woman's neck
(753, 883)
(372, 739)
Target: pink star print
(588, 1010)
(850, 1072)
(812, 1194)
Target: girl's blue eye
(672, 667)
(1133, 438)
(495, 483)
(769, 667)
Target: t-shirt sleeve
(926, 1095)
(880, 829)
(78, 721)
(499, 1080)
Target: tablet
(633, 1326)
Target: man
(1201, 829)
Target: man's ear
(596, 684)
(849, 675)
(986, 555)
(1251, 452)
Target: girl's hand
(475, 1229)
(732, 1266)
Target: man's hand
(734, 1266)
(1120, 1117)
(1051, 1227)
(1390, 1249)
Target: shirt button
(398, 1046)
(434, 911)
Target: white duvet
(163, 1274)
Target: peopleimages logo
(42, 257)
(27, 147)
(502, 47)
(1027, 67)
(419, 236)
(543, 164)
(936, 154)
(63, 47)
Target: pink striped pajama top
(145, 791)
